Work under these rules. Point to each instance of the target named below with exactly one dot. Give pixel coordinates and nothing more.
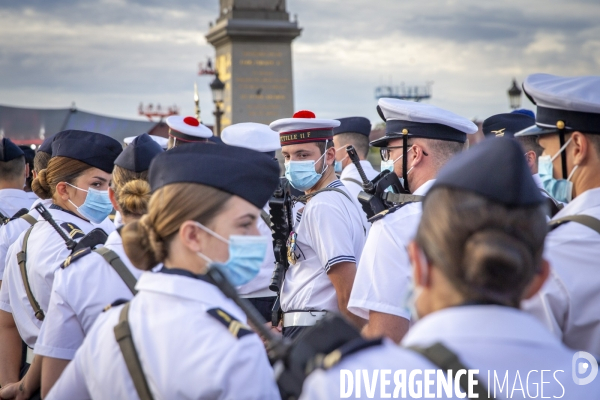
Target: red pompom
(304, 114)
(191, 121)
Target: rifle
(92, 239)
(5, 220)
(282, 223)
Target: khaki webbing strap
(445, 359)
(120, 268)
(265, 217)
(399, 198)
(307, 197)
(22, 259)
(125, 340)
(359, 183)
(586, 220)
(27, 217)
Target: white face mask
(415, 289)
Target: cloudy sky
(109, 55)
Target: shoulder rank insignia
(327, 361)
(115, 303)
(75, 256)
(236, 328)
(382, 214)
(72, 230)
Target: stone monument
(252, 39)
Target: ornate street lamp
(218, 88)
(514, 95)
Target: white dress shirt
(13, 200)
(184, 352)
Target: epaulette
(382, 214)
(236, 328)
(76, 256)
(115, 303)
(326, 361)
(72, 230)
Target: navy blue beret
(94, 149)
(494, 169)
(246, 173)
(9, 151)
(46, 146)
(524, 111)
(137, 156)
(28, 152)
(353, 125)
(506, 124)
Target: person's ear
(330, 155)
(62, 190)
(415, 155)
(538, 280)
(113, 199)
(531, 159)
(580, 147)
(27, 171)
(193, 237)
(419, 264)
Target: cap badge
(499, 132)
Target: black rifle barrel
(367, 184)
(48, 217)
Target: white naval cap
(304, 127)
(563, 103)
(414, 119)
(162, 142)
(187, 129)
(252, 136)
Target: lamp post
(514, 95)
(217, 87)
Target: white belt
(30, 355)
(302, 318)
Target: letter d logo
(581, 367)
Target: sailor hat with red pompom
(304, 128)
(187, 129)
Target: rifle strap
(307, 197)
(443, 358)
(399, 198)
(586, 220)
(27, 217)
(353, 181)
(134, 366)
(22, 259)
(265, 217)
(120, 268)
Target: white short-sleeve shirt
(185, 353)
(46, 252)
(79, 294)
(329, 231)
(384, 272)
(492, 339)
(569, 301)
(350, 172)
(13, 200)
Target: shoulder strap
(27, 217)
(134, 366)
(445, 359)
(120, 268)
(586, 220)
(353, 181)
(265, 217)
(22, 260)
(306, 197)
(399, 198)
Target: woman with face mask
(76, 179)
(93, 279)
(476, 255)
(190, 340)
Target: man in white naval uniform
(13, 171)
(568, 124)
(506, 125)
(328, 235)
(420, 138)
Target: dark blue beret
(28, 152)
(94, 149)
(137, 156)
(506, 124)
(494, 169)
(524, 111)
(246, 173)
(9, 151)
(46, 146)
(353, 125)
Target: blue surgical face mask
(338, 167)
(389, 164)
(559, 189)
(302, 174)
(246, 255)
(97, 205)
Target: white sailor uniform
(46, 252)
(329, 231)
(492, 339)
(384, 274)
(352, 180)
(568, 301)
(13, 200)
(80, 291)
(185, 352)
